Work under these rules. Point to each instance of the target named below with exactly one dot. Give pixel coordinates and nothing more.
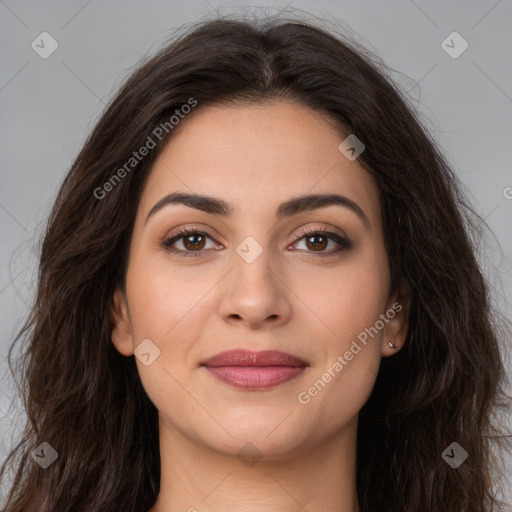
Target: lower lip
(255, 377)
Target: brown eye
(318, 240)
(194, 241)
(312, 241)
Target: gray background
(48, 106)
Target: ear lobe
(398, 324)
(121, 325)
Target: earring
(392, 345)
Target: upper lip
(243, 357)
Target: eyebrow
(290, 207)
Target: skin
(255, 157)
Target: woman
(257, 291)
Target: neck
(197, 478)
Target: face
(311, 281)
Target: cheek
(162, 298)
(162, 310)
(354, 308)
(342, 383)
(169, 308)
(347, 299)
(335, 394)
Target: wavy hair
(86, 400)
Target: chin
(264, 442)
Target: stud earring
(392, 345)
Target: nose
(255, 294)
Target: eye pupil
(194, 245)
(317, 245)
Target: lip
(246, 369)
(243, 357)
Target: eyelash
(182, 233)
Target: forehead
(256, 156)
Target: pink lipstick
(254, 370)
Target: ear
(397, 325)
(121, 335)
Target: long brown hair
(86, 400)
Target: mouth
(249, 370)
